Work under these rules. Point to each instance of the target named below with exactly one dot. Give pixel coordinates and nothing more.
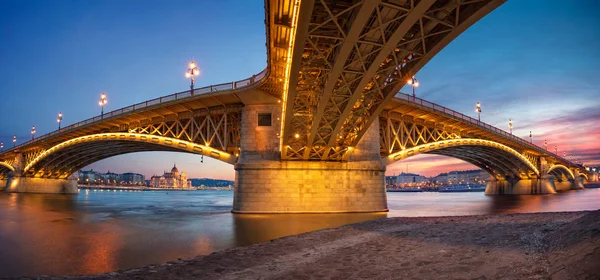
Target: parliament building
(171, 180)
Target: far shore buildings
(477, 176)
(171, 180)
(91, 177)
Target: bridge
(314, 131)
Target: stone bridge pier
(17, 182)
(570, 179)
(543, 185)
(266, 184)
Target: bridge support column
(19, 184)
(266, 184)
(578, 181)
(544, 185)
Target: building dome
(174, 170)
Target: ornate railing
(472, 121)
(255, 79)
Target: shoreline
(557, 245)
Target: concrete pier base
(564, 185)
(266, 184)
(41, 185)
(544, 185)
(309, 187)
(578, 184)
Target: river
(100, 231)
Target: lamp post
(14, 140)
(530, 137)
(478, 110)
(414, 83)
(191, 73)
(556, 150)
(510, 125)
(546, 144)
(59, 119)
(32, 132)
(1, 146)
(101, 103)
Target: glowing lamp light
(190, 73)
(296, 135)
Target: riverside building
(91, 177)
(171, 180)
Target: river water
(95, 231)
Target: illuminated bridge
(314, 131)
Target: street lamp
(556, 150)
(32, 132)
(530, 137)
(14, 140)
(101, 103)
(546, 144)
(191, 73)
(1, 146)
(510, 126)
(414, 83)
(59, 119)
(478, 110)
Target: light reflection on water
(95, 232)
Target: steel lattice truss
(216, 133)
(398, 134)
(355, 56)
(403, 136)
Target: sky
(535, 62)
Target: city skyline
(526, 71)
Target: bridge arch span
(5, 168)
(497, 159)
(560, 171)
(65, 158)
(5, 165)
(583, 175)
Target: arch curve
(90, 148)
(488, 155)
(6, 165)
(560, 170)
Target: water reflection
(96, 231)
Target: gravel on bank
(515, 246)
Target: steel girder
(561, 172)
(402, 136)
(214, 133)
(397, 134)
(355, 55)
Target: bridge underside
(498, 163)
(70, 159)
(350, 58)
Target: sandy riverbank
(517, 246)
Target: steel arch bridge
(330, 103)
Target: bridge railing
(475, 122)
(255, 79)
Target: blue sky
(537, 62)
